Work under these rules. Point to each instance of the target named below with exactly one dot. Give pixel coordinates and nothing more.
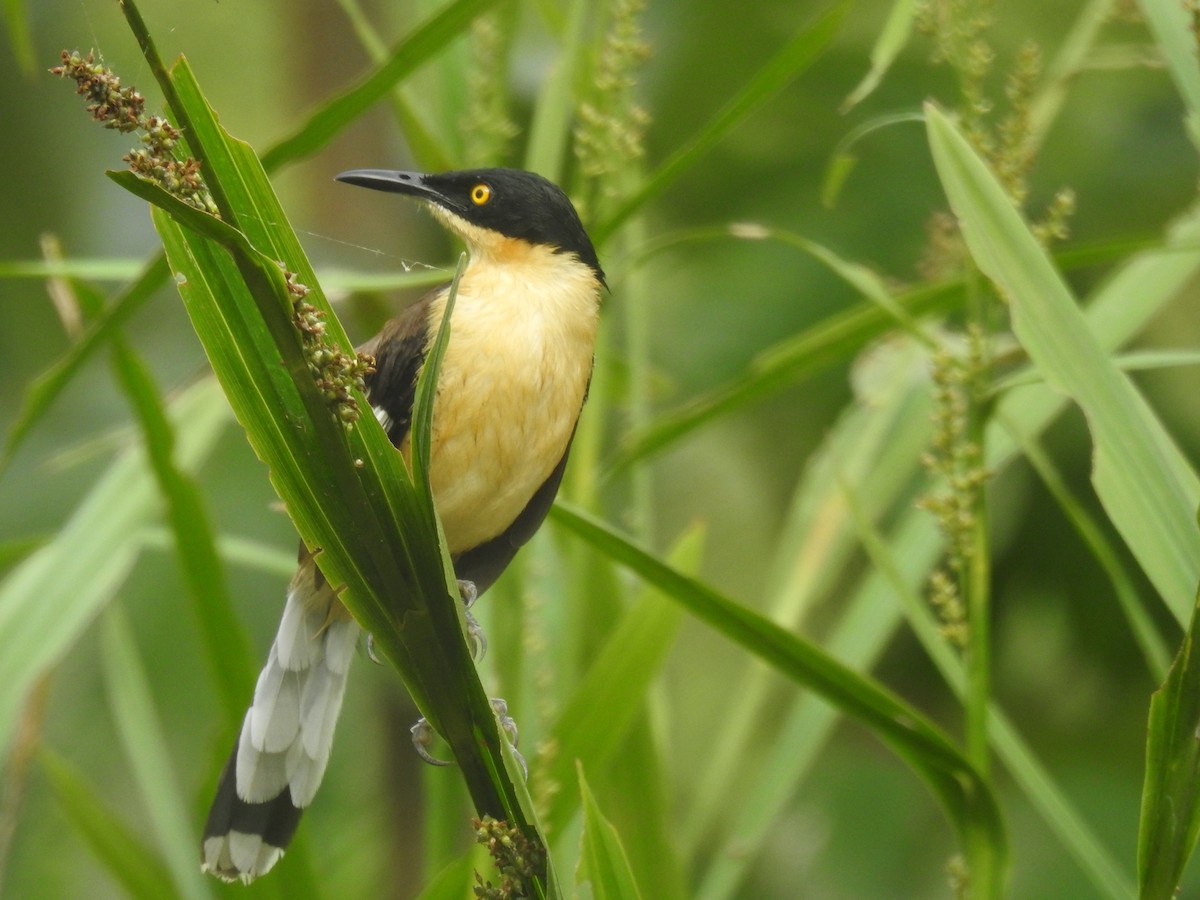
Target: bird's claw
(476, 639)
(468, 592)
(423, 735)
(371, 655)
(508, 728)
(504, 720)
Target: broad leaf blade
(1170, 821)
(1119, 310)
(965, 795)
(603, 865)
(142, 737)
(601, 709)
(132, 863)
(825, 344)
(43, 391)
(50, 598)
(19, 35)
(796, 56)
(1146, 485)
(550, 128)
(892, 39)
(227, 648)
(1176, 39)
(416, 49)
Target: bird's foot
(371, 655)
(476, 639)
(468, 592)
(508, 728)
(423, 736)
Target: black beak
(411, 183)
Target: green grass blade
(891, 41)
(796, 56)
(226, 645)
(860, 277)
(347, 281)
(1141, 624)
(604, 871)
(830, 341)
(1137, 361)
(1147, 488)
(133, 864)
(966, 798)
(116, 269)
(602, 708)
(146, 751)
(454, 881)
(644, 808)
(13, 552)
(235, 551)
(1044, 794)
(1148, 360)
(1170, 820)
(19, 36)
(1120, 308)
(869, 621)
(1069, 61)
(427, 387)
(48, 600)
(106, 268)
(43, 391)
(550, 130)
(877, 444)
(428, 149)
(843, 159)
(426, 41)
(1175, 34)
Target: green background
(861, 825)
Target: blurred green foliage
(767, 479)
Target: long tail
(280, 756)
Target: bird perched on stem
(511, 386)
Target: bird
(511, 387)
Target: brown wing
(399, 351)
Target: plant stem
(975, 578)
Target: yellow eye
(481, 194)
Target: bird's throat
(511, 384)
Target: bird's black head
(510, 202)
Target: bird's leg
(476, 639)
(422, 732)
(423, 735)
